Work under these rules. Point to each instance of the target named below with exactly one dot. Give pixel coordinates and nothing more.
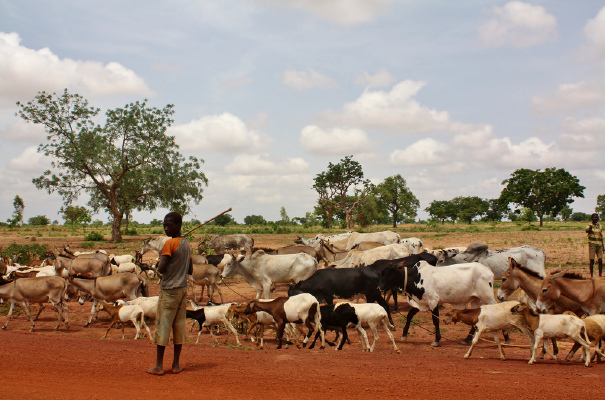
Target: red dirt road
(77, 364)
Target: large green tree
(441, 210)
(543, 192)
(127, 164)
(335, 183)
(397, 198)
(469, 207)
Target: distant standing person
(174, 266)
(595, 243)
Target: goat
(553, 326)
(205, 275)
(300, 309)
(148, 304)
(214, 315)
(120, 313)
(468, 316)
(497, 317)
(337, 319)
(371, 315)
(595, 330)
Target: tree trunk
(394, 220)
(116, 225)
(541, 221)
(328, 219)
(349, 219)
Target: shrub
(93, 236)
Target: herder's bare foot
(155, 371)
(176, 370)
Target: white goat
(214, 315)
(554, 327)
(133, 313)
(495, 318)
(148, 304)
(371, 315)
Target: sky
(452, 95)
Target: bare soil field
(77, 364)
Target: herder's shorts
(172, 305)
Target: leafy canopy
(127, 164)
(543, 192)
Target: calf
(298, 309)
(553, 326)
(336, 319)
(371, 315)
(133, 313)
(214, 315)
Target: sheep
(205, 275)
(214, 315)
(497, 317)
(120, 313)
(148, 304)
(120, 259)
(554, 326)
(370, 315)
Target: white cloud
(305, 80)
(583, 135)
(520, 25)
(572, 96)
(423, 152)
(20, 131)
(382, 78)
(224, 133)
(335, 141)
(28, 163)
(264, 164)
(342, 12)
(395, 111)
(594, 31)
(24, 71)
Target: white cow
(427, 287)
(156, 244)
(357, 258)
(384, 237)
(414, 245)
(316, 241)
(497, 260)
(261, 270)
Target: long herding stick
(210, 220)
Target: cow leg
(408, 321)
(8, 316)
(469, 337)
(39, 311)
(435, 315)
(93, 310)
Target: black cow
(336, 320)
(345, 283)
(408, 261)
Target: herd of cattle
(374, 266)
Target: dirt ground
(77, 364)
